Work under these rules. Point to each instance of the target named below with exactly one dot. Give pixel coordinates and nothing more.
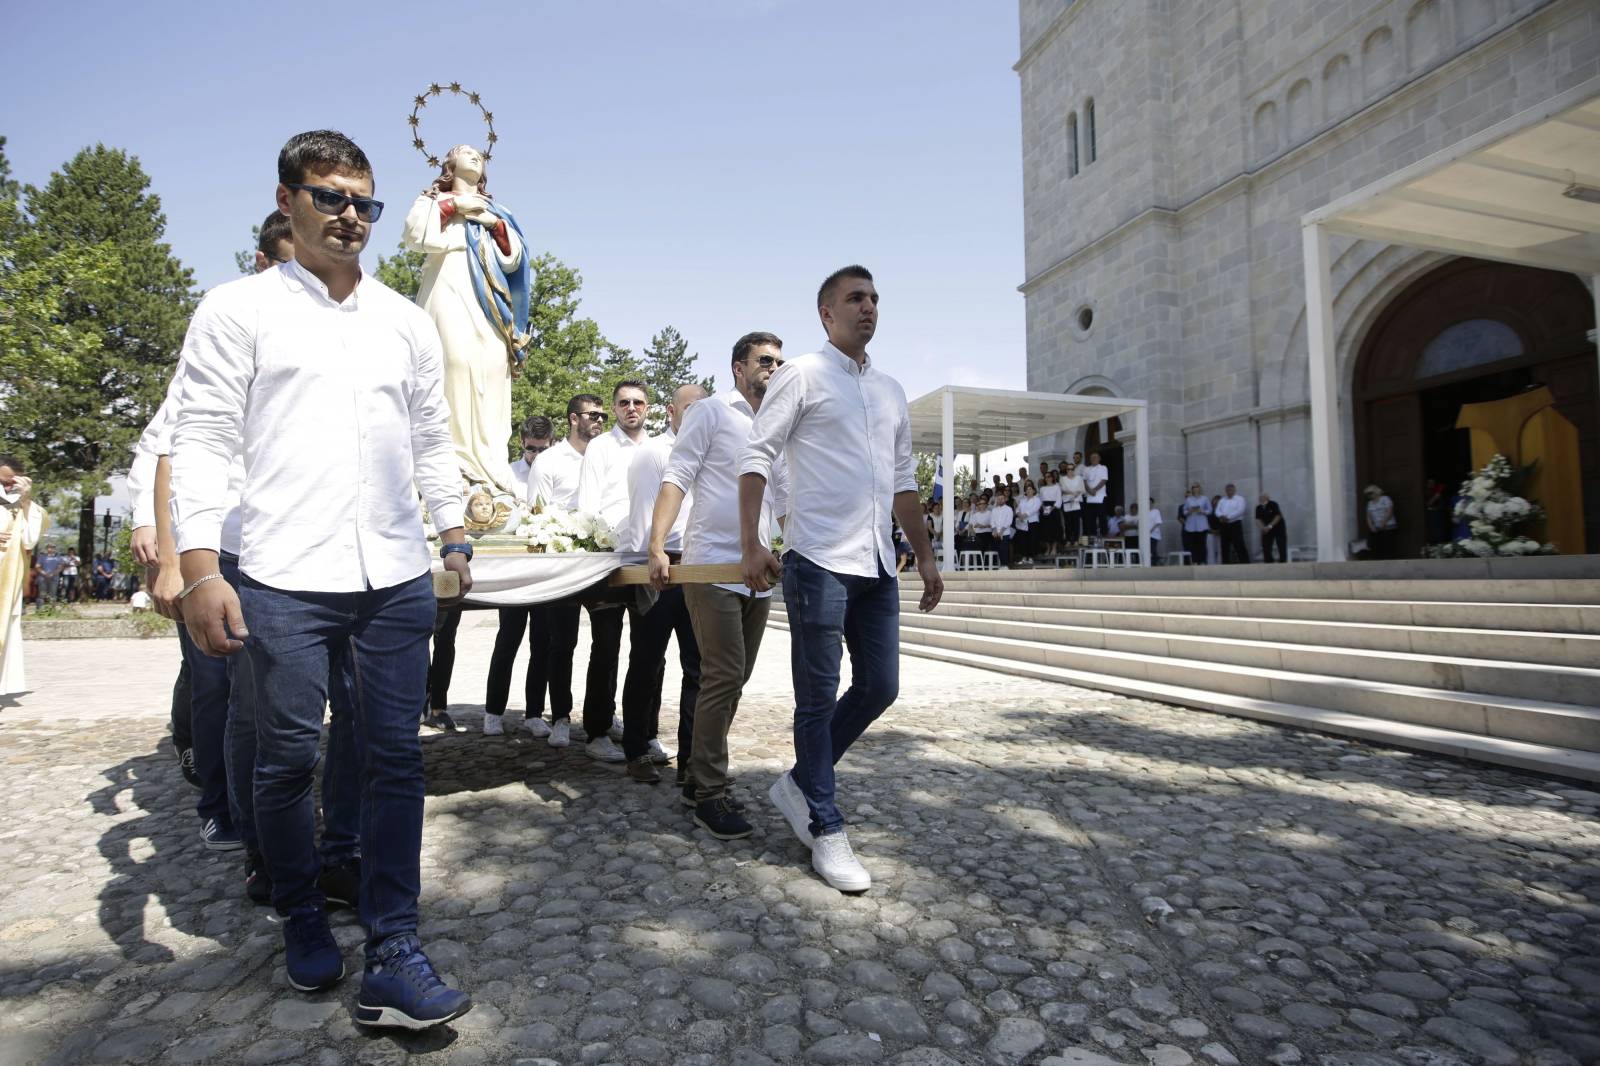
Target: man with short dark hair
(274, 242)
(843, 427)
(553, 482)
(312, 367)
(536, 434)
(1230, 510)
(1274, 534)
(1095, 508)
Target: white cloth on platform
(603, 481)
(553, 478)
(845, 431)
(527, 578)
(339, 409)
(477, 369)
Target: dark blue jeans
(825, 608)
(208, 725)
(295, 638)
(341, 776)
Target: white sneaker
(561, 734)
(834, 859)
(601, 748)
(658, 754)
(537, 726)
(493, 726)
(791, 803)
(615, 732)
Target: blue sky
(703, 163)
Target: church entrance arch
(1470, 331)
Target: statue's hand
(471, 205)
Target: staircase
(1498, 662)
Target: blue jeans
(823, 608)
(295, 640)
(341, 776)
(208, 725)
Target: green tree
(246, 260)
(402, 271)
(118, 302)
(667, 364)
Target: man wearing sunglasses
(603, 490)
(312, 367)
(514, 621)
(553, 482)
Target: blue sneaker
(218, 837)
(400, 989)
(310, 954)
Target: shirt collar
(736, 400)
(299, 277)
(622, 438)
(844, 361)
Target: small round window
(1083, 321)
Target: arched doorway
(1470, 331)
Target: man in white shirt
(1195, 513)
(728, 620)
(842, 425)
(649, 632)
(603, 490)
(553, 482)
(1230, 512)
(1153, 518)
(514, 621)
(332, 386)
(1095, 477)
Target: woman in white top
(1072, 492)
(1196, 516)
(1003, 522)
(1050, 512)
(1028, 527)
(979, 525)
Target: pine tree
(667, 365)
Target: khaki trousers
(728, 627)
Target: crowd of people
(305, 599)
(58, 575)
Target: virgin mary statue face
(468, 163)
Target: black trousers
(561, 621)
(1233, 549)
(1094, 519)
(443, 663)
(1195, 544)
(513, 622)
(1071, 526)
(1276, 537)
(648, 636)
(600, 686)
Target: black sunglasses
(767, 361)
(274, 259)
(333, 202)
(594, 416)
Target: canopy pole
(947, 456)
(1141, 478)
(1327, 466)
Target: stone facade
(1217, 124)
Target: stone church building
(1170, 150)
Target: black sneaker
(257, 882)
(341, 884)
(441, 721)
(721, 819)
(186, 767)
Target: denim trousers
(341, 778)
(208, 726)
(825, 608)
(295, 639)
(649, 635)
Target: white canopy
(1526, 190)
(956, 420)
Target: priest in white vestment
(21, 526)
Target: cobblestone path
(1061, 877)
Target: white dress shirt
(981, 523)
(1028, 509)
(844, 429)
(553, 477)
(1231, 508)
(338, 409)
(156, 441)
(519, 477)
(705, 465)
(1096, 475)
(603, 480)
(1003, 519)
(1072, 493)
(1154, 518)
(1050, 494)
(1195, 510)
(644, 485)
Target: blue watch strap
(463, 548)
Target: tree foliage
(246, 260)
(667, 364)
(402, 271)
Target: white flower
(605, 540)
(561, 544)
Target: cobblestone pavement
(1061, 877)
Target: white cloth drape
(520, 580)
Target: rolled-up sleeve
(431, 449)
(212, 383)
(780, 412)
(689, 450)
(905, 464)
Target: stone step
(1557, 684)
(1552, 759)
(1135, 582)
(1554, 649)
(1504, 717)
(1524, 617)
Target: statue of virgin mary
(475, 286)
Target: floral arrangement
(553, 530)
(1495, 516)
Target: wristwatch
(464, 548)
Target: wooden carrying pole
(447, 583)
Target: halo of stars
(420, 101)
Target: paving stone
(844, 1049)
(1014, 1040)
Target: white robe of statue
(25, 531)
(477, 371)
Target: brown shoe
(643, 770)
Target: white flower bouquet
(555, 531)
(1494, 515)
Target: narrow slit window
(1088, 132)
(1072, 145)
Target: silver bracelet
(201, 580)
